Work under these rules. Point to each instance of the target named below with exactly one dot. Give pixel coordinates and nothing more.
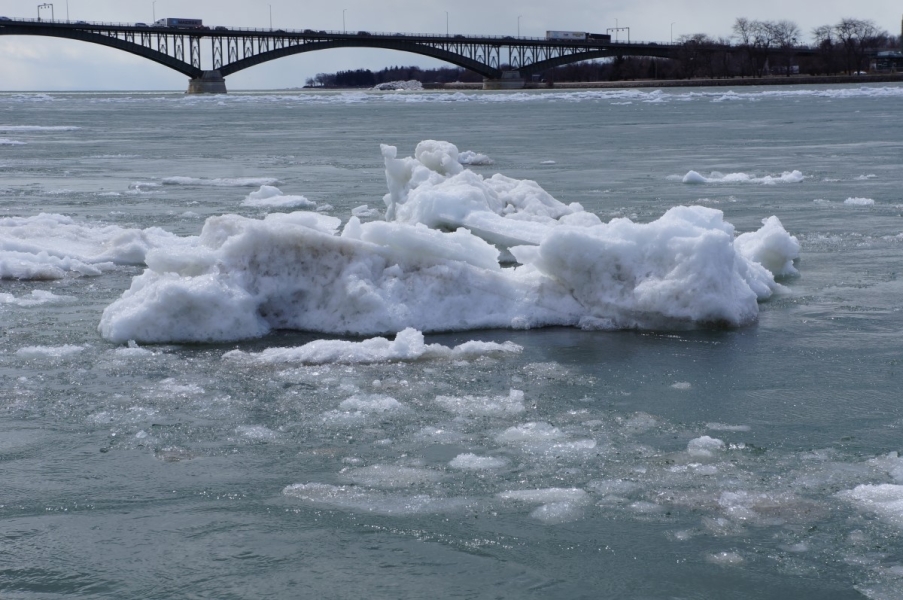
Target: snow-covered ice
(221, 181)
(272, 197)
(716, 177)
(48, 246)
(408, 345)
(36, 298)
(471, 158)
(434, 265)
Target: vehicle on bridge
(598, 37)
(577, 36)
(180, 23)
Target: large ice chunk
(434, 266)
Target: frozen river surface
(647, 407)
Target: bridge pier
(511, 80)
(211, 82)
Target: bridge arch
(543, 65)
(450, 57)
(112, 42)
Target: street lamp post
(154, 10)
(672, 32)
(271, 16)
(67, 11)
(446, 23)
(343, 21)
(518, 25)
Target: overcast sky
(35, 63)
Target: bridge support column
(211, 82)
(511, 80)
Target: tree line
(365, 78)
(755, 49)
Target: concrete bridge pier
(511, 80)
(211, 82)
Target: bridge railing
(305, 31)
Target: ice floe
(407, 345)
(434, 265)
(48, 246)
(716, 177)
(221, 181)
(272, 197)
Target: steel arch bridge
(207, 56)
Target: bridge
(209, 55)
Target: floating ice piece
(134, 352)
(705, 446)
(49, 351)
(725, 427)
(859, 201)
(256, 432)
(890, 463)
(472, 406)
(9, 142)
(373, 501)
(770, 247)
(9, 128)
(36, 298)
(471, 158)
(725, 558)
(559, 505)
(408, 345)
(715, 177)
(359, 409)
(221, 182)
(244, 277)
(885, 500)
(545, 495)
(270, 196)
(472, 462)
(49, 246)
(364, 212)
(390, 476)
(530, 433)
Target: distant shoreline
(673, 83)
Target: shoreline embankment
(671, 83)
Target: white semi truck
(577, 36)
(180, 23)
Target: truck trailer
(577, 36)
(180, 23)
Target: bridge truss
(207, 56)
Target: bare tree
(784, 35)
(757, 39)
(827, 46)
(695, 55)
(858, 37)
(743, 33)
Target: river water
(750, 462)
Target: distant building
(888, 61)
